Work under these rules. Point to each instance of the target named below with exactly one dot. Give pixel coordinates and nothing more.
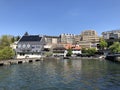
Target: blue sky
(54, 17)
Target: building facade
(114, 34)
(90, 35)
(111, 36)
(30, 46)
(67, 38)
(51, 42)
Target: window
(19, 46)
(24, 45)
(28, 45)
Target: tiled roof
(30, 38)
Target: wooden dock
(18, 61)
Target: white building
(114, 34)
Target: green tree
(69, 52)
(13, 39)
(103, 43)
(48, 54)
(115, 47)
(6, 53)
(84, 50)
(17, 38)
(91, 51)
(5, 41)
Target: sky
(54, 17)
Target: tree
(84, 50)
(17, 38)
(103, 44)
(13, 39)
(115, 47)
(69, 52)
(91, 51)
(6, 53)
(5, 41)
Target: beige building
(77, 39)
(67, 38)
(90, 35)
(85, 44)
(89, 39)
(51, 41)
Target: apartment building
(90, 35)
(67, 38)
(114, 34)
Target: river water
(61, 75)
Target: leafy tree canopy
(103, 43)
(5, 41)
(115, 47)
(6, 53)
(69, 52)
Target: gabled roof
(30, 38)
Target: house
(59, 51)
(76, 49)
(30, 46)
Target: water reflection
(61, 75)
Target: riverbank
(28, 60)
(82, 58)
(113, 57)
(20, 61)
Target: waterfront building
(113, 34)
(30, 46)
(90, 36)
(85, 44)
(89, 39)
(76, 49)
(59, 51)
(67, 38)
